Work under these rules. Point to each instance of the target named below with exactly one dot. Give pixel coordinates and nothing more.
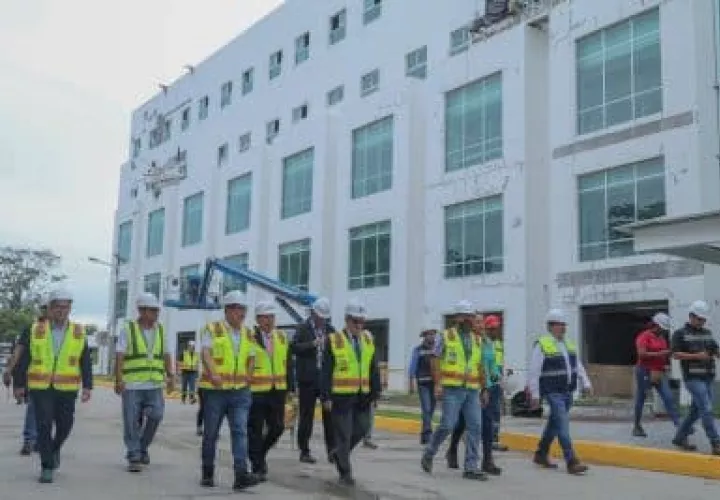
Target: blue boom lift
(194, 293)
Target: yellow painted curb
(594, 452)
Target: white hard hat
(700, 309)
(556, 316)
(464, 307)
(321, 307)
(235, 298)
(355, 309)
(147, 300)
(60, 294)
(265, 308)
(191, 343)
(662, 320)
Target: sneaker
(575, 468)
(46, 476)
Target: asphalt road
(93, 468)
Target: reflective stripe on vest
(350, 375)
(271, 373)
(229, 367)
(455, 369)
(138, 364)
(190, 361)
(554, 374)
(62, 371)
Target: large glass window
(239, 194)
(192, 228)
(474, 237)
(615, 197)
(619, 74)
(231, 283)
(369, 256)
(152, 284)
(372, 161)
(473, 123)
(297, 184)
(121, 299)
(155, 232)
(294, 263)
(124, 243)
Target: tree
(25, 275)
(14, 322)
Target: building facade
(410, 161)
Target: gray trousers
(351, 421)
(138, 436)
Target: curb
(594, 452)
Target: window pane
(297, 184)
(238, 204)
(592, 217)
(192, 219)
(369, 256)
(372, 158)
(651, 198)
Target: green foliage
(25, 275)
(13, 323)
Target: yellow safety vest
(350, 375)
(455, 369)
(46, 370)
(138, 366)
(271, 373)
(230, 367)
(499, 353)
(190, 361)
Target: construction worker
(350, 385)
(54, 364)
(189, 372)
(695, 347)
(228, 354)
(492, 327)
(554, 375)
(10, 375)
(420, 377)
(491, 376)
(144, 359)
(272, 385)
(653, 357)
(308, 346)
(458, 377)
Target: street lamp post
(115, 266)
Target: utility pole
(115, 266)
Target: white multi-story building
(381, 149)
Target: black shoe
(244, 480)
(193, 400)
(347, 481)
(491, 468)
(426, 463)
(475, 475)
(499, 447)
(135, 466)
(208, 477)
(307, 458)
(452, 460)
(424, 440)
(27, 449)
(543, 461)
(145, 458)
(638, 431)
(368, 443)
(715, 449)
(684, 444)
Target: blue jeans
(643, 384)
(188, 380)
(136, 404)
(701, 391)
(427, 407)
(495, 410)
(30, 427)
(235, 405)
(457, 400)
(558, 426)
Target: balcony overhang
(695, 237)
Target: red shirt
(651, 343)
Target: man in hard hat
(350, 385)
(10, 375)
(493, 331)
(228, 354)
(420, 378)
(458, 377)
(653, 357)
(143, 361)
(308, 346)
(54, 364)
(189, 372)
(695, 347)
(554, 375)
(271, 384)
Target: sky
(71, 72)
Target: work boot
(684, 444)
(27, 449)
(475, 475)
(489, 467)
(426, 463)
(208, 477)
(576, 468)
(307, 458)
(46, 476)
(134, 466)
(638, 431)
(244, 480)
(452, 460)
(543, 461)
(499, 447)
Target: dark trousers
(52, 407)
(307, 398)
(351, 421)
(266, 424)
(188, 379)
(201, 405)
(486, 435)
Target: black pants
(266, 423)
(307, 397)
(53, 407)
(351, 421)
(201, 402)
(486, 433)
